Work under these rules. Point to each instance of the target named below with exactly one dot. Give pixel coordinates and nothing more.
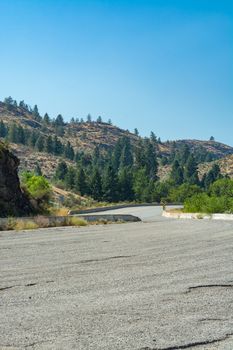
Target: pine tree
(136, 132)
(88, 118)
(126, 158)
(141, 183)
(13, 133)
(126, 184)
(190, 172)
(99, 120)
(96, 185)
(46, 119)
(153, 137)
(59, 120)
(3, 129)
(61, 171)
(33, 138)
(21, 135)
(70, 178)
(110, 185)
(40, 143)
(49, 145)
(80, 182)
(177, 173)
(69, 151)
(57, 146)
(36, 114)
(117, 155)
(213, 175)
(151, 163)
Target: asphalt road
(158, 284)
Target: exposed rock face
(13, 201)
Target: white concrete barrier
(179, 215)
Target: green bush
(222, 187)
(38, 186)
(183, 192)
(202, 203)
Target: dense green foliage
(38, 188)
(218, 199)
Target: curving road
(157, 284)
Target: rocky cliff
(13, 202)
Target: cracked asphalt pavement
(159, 284)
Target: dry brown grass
(61, 211)
(75, 221)
(25, 225)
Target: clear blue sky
(161, 65)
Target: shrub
(202, 203)
(222, 187)
(181, 193)
(75, 221)
(25, 225)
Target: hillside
(81, 138)
(225, 164)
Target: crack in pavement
(25, 285)
(212, 319)
(105, 259)
(4, 288)
(209, 286)
(190, 345)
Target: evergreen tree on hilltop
(46, 119)
(99, 120)
(36, 114)
(110, 185)
(153, 137)
(89, 118)
(59, 121)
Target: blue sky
(161, 65)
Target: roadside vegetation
(40, 222)
(218, 199)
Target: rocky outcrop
(13, 202)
